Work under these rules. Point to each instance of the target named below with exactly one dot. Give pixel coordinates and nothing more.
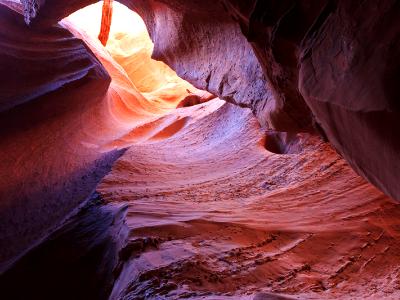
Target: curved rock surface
(342, 56)
(205, 201)
(204, 46)
(59, 117)
(321, 53)
(348, 80)
(48, 166)
(300, 224)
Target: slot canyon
(183, 149)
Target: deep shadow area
(282, 142)
(78, 261)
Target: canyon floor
(213, 215)
(203, 210)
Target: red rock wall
(338, 57)
(204, 45)
(349, 77)
(63, 120)
(341, 58)
(49, 95)
(201, 42)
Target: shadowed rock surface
(78, 261)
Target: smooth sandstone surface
(61, 113)
(328, 66)
(340, 59)
(205, 201)
(211, 213)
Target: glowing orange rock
(106, 19)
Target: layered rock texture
(121, 180)
(326, 56)
(300, 224)
(60, 115)
(283, 58)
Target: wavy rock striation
(326, 54)
(213, 215)
(60, 114)
(323, 56)
(214, 201)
